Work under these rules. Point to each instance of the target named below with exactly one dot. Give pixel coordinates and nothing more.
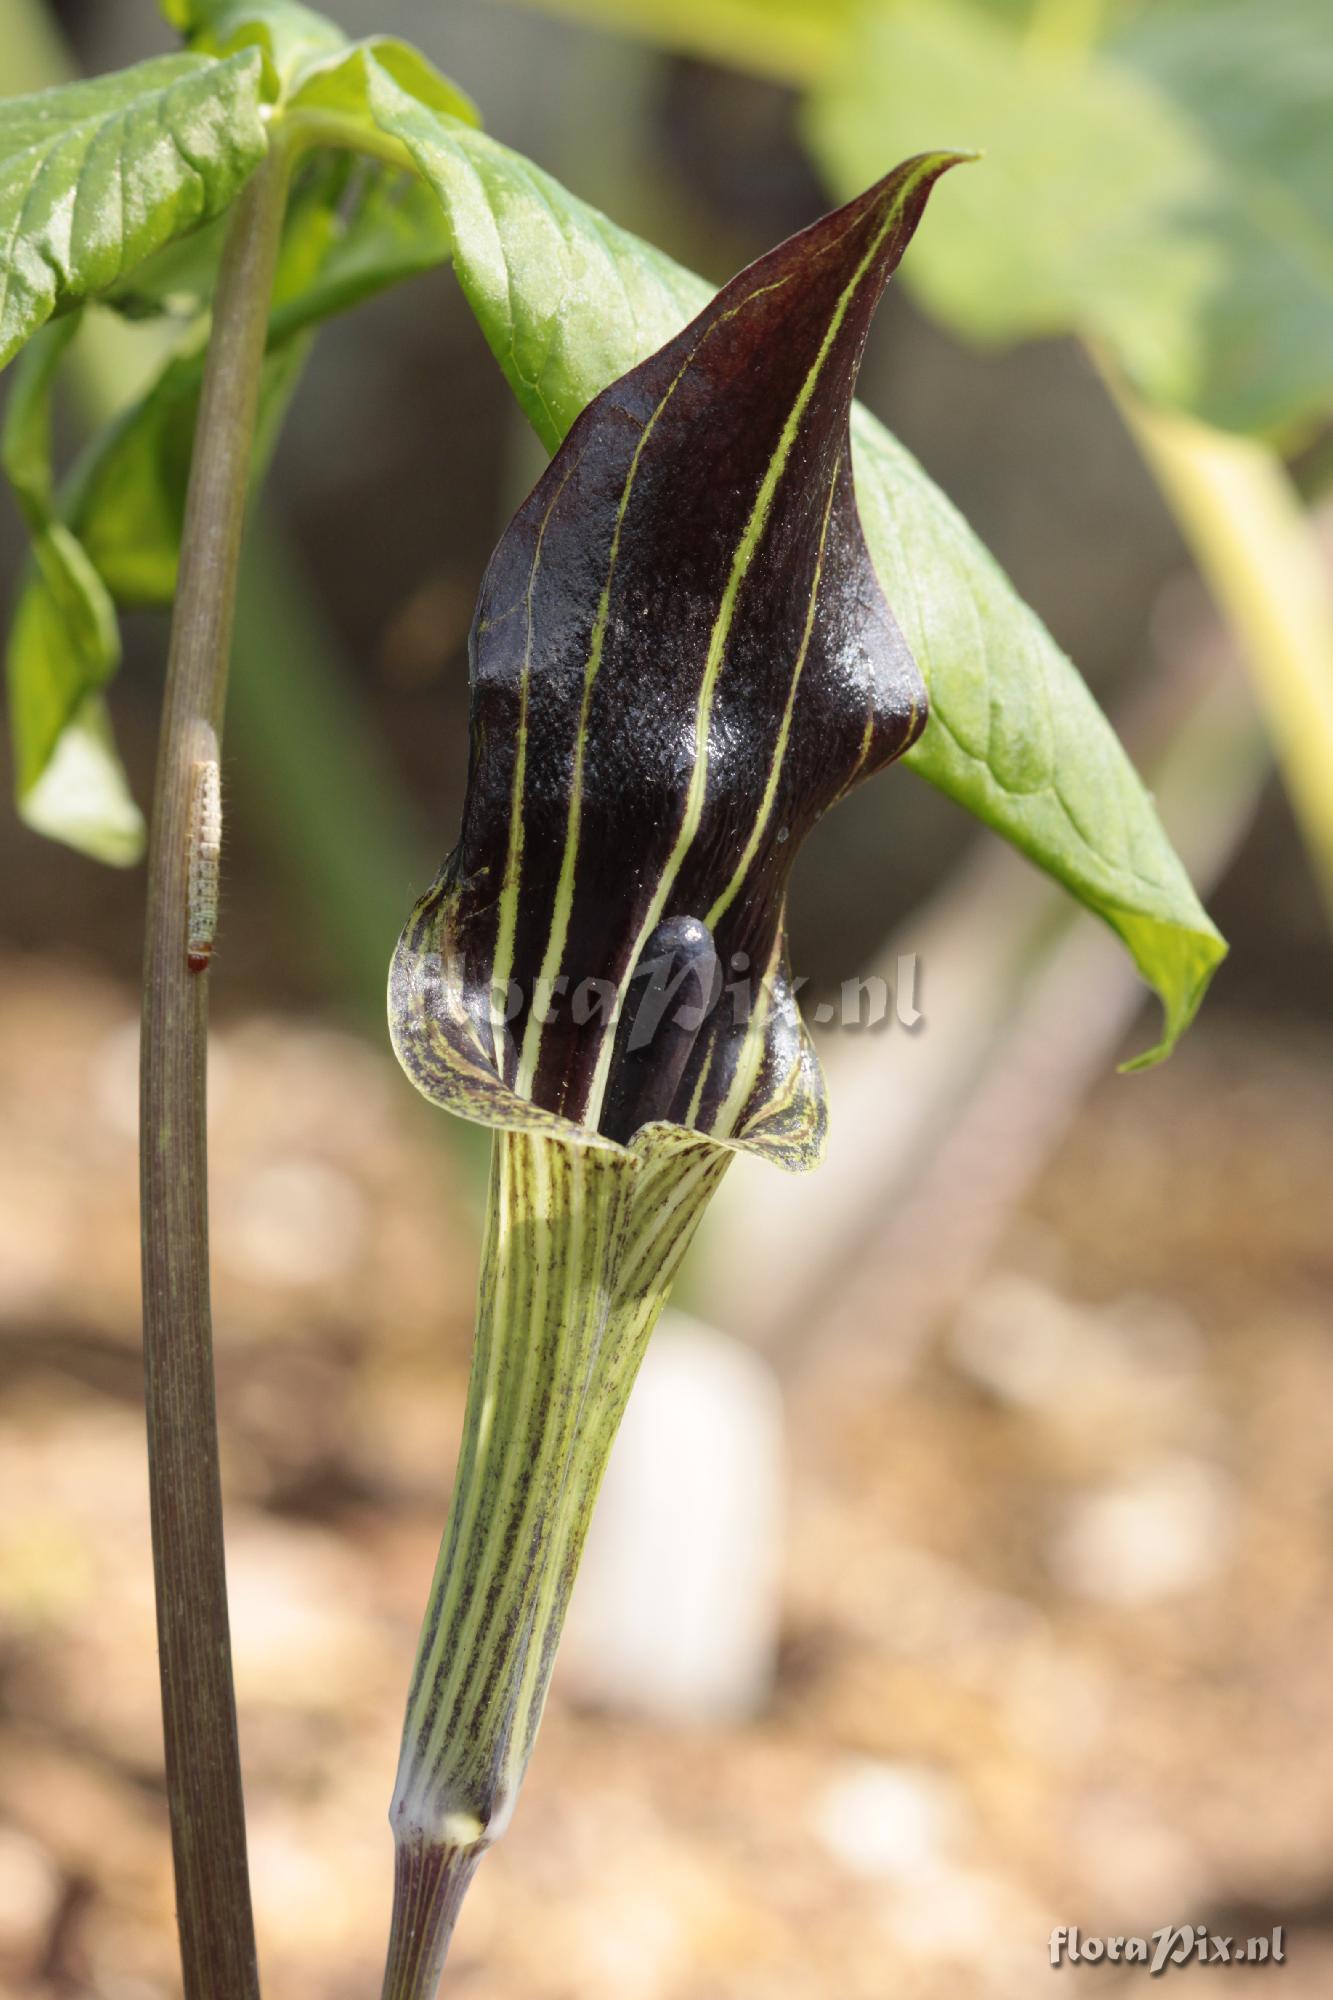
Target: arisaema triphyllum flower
(681, 659)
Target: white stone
(675, 1613)
(1165, 1531)
(889, 1821)
(1037, 1351)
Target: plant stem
(429, 1884)
(1261, 558)
(305, 129)
(198, 1702)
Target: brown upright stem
(198, 1702)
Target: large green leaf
(1168, 191)
(568, 301)
(96, 176)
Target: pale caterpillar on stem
(201, 898)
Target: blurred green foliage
(1164, 186)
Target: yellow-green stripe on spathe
(740, 564)
(431, 1698)
(563, 907)
(598, 1243)
(723, 1121)
(762, 817)
(507, 923)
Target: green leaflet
(389, 229)
(309, 63)
(115, 540)
(1167, 190)
(82, 796)
(117, 188)
(64, 644)
(94, 179)
(342, 88)
(96, 176)
(568, 301)
(290, 37)
(115, 534)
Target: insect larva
(205, 857)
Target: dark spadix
(681, 658)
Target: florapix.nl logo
(1171, 1946)
(687, 991)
